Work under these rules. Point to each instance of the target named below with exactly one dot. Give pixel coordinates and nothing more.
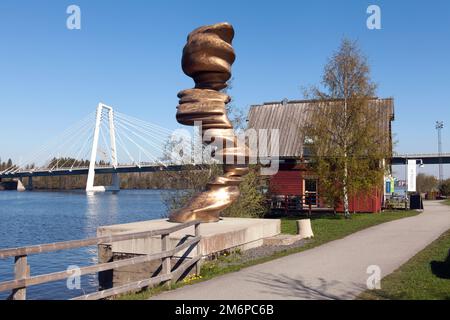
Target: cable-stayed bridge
(104, 142)
(109, 142)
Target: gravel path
(255, 253)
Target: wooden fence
(167, 275)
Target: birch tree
(348, 143)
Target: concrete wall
(227, 234)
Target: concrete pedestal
(228, 233)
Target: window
(311, 196)
(307, 144)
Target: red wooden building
(293, 185)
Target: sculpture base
(204, 219)
(228, 233)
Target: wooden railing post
(21, 271)
(166, 268)
(199, 253)
(22, 279)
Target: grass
(426, 276)
(330, 228)
(447, 202)
(326, 228)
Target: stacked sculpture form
(207, 58)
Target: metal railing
(22, 278)
(305, 202)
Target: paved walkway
(336, 270)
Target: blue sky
(127, 54)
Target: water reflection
(101, 207)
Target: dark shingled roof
(288, 115)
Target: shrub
(444, 188)
(251, 203)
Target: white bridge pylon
(104, 142)
(90, 188)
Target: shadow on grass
(441, 269)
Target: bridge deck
(426, 158)
(100, 170)
(396, 160)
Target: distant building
(293, 185)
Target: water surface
(28, 218)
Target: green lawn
(326, 228)
(330, 228)
(447, 202)
(425, 277)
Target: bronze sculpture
(207, 58)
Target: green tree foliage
(6, 165)
(347, 145)
(251, 202)
(67, 162)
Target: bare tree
(426, 183)
(237, 115)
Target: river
(28, 218)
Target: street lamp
(421, 165)
(439, 127)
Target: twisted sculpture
(207, 58)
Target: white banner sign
(412, 174)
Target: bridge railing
(420, 155)
(23, 279)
